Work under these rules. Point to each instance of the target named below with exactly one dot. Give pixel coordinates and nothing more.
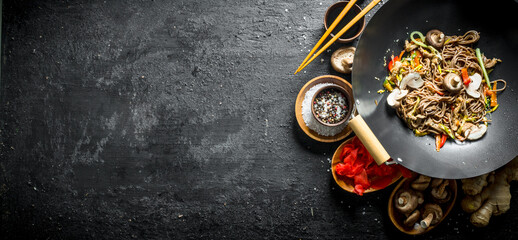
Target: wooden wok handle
(369, 140)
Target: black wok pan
(385, 35)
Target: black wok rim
(379, 40)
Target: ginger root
(489, 194)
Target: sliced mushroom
(475, 132)
(342, 59)
(412, 80)
(452, 82)
(435, 38)
(474, 85)
(406, 201)
(421, 183)
(432, 214)
(394, 98)
(412, 218)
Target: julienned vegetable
(481, 63)
(493, 97)
(358, 166)
(465, 77)
(440, 140)
(394, 60)
(443, 95)
(447, 130)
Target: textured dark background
(174, 119)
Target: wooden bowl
(347, 184)
(355, 30)
(397, 218)
(348, 94)
(298, 108)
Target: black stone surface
(175, 120)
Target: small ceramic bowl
(397, 218)
(348, 184)
(354, 32)
(348, 94)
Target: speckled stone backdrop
(175, 120)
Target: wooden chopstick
(339, 34)
(329, 30)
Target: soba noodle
(433, 107)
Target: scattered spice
(330, 106)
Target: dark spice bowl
(348, 94)
(354, 32)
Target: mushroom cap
(435, 38)
(435, 210)
(393, 99)
(437, 181)
(342, 59)
(421, 182)
(412, 80)
(474, 85)
(452, 82)
(440, 193)
(420, 198)
(406, 201)
(445, 197)
(412, 218)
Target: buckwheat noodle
(424, 110)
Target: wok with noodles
(439, 85)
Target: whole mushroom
(435, 38)
(412, 218)
(342, 59)
(436, 182)
(421, 182)
(406, 201)
(441, 193)
(420, 198)
(432, 214)
(452, 82)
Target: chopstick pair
(339, 34)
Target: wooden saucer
(298, 108)
(348, 184)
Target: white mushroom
(432, 215)
(474, 85)
(342, 59)
(393, 99)
(412, 80)
(475, 132)
(452, 82)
